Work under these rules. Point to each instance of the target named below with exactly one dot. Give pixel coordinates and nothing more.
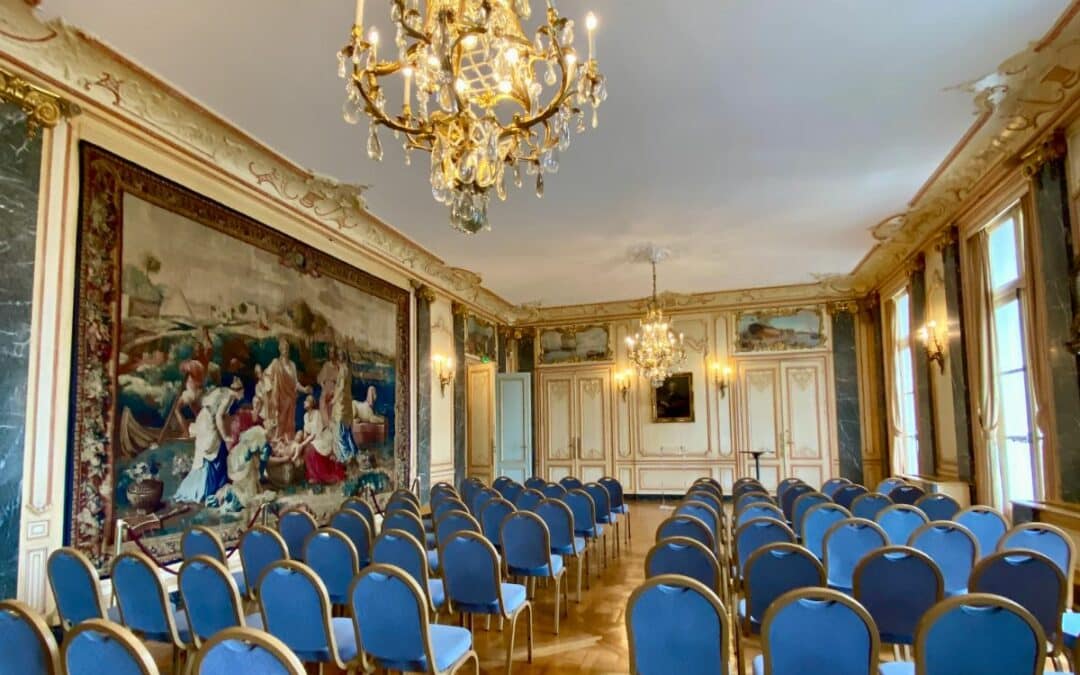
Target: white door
(480, 420)
(558, 442)
(513, 426)
(592, 407)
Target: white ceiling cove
(757, 139)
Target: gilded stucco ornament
(43, 109)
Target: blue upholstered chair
(1031, 580)
(675, 624)
(755, 534)
(906, 494)
(704, 492)
(686, 526)
(402, 493)
(555, 490)
(259, 547)
(500, 482)
(745, 485)
(869, 505)
(144, 604)
(402, 550)
(201, 540)
(560, 523)
(96, 646)
(953, 547)
(446, 506)
(211, 599)
(585, 525)
(897, 585)
(296, 610)
(491, 519)
(361, 507)
(701, 511)
(294, 526)
(845, 495)
(710, 482)
(987, 634)
(474, 585)
(817, 522)
(771, 571)
(534, 483)
(480, 500)
(571, 483)
(987, 524)
(604, 514)
(528, 499)
(886, 485)
(938, 506)
(355, 527)
(803, 503)
(791, 494)
(682, 555)
(391, 616)
(74, 582)
(755, 496)
(401, 503)
(817, 630)
(26, 642)
(759, 510)
(456, 521)
(331, 555)
(899, 521)
(511, 490)
(846, 543)
(830, 486)
(245, 650)
(784, 486)
(526, 551)
(1047, 539)
(408, 522)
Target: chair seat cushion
(241, 584)
(622, 508)
(344, 636)
(578, 547)
(433, 560)
(541, 571)
(254, 621)
(513, 595)
(113, 614)
(1070, 627)
(182, 629)
(437, 592)
(429, 539)
(449, 643)
(758, 665)
(593, 532)
(897, 668)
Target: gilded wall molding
(43, 109)
(1033, 159)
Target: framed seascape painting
(221, 367)
(673, 401)
(574, 345)
(480, 338)
(780, 330)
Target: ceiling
(758, 139)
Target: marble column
(924, 404)
(460, 386)
(954, 303)
(846, 375)
(1055, 255)
(20, 166)
(526, 352)
(424, 298)
(878, 434)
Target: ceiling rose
(488, 99)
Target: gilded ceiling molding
(93, 74)
(842, 307)
(1033, 159)
(43, 109)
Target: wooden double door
(786, 407)
(575, 422)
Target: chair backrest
(331, 555)
(525, 542)
(886, 485)
(296, 609)
(756, 496)
(906, 494)
(953, 547)
(448, 505)
(480, 500)
(402, 493)
(201, 540)
(294, 527)
(500, 481)
(819, 630)
(756, 533)
(555, 490)
(711, 482)
(1047, 539)
(210, 597)
(803, 503)
(681, 525)
(510, 491)
(492, 516)
(682, 555)
(702, 493)
(676, 624)
(361, 507)
(817, 522)
(245, 650)
(144, 605)
(787, 501)
(401, 503)
(989, 634)
(869, 505)
(775, 569)
(571, 483)
(845, 495)
(745, 485)
(98, 646)
(528, 499)
(899, 521)
(987, 524)
(830, 486)
(455, 521)
(938, 506)
(897, 585)
(701, 511)
(759, 510)
(75, 583)
(535, 482)
(471, 575)
(401, 637)
(560, 522)
(584, 510)
(26, 642)
(1030, 579)
(355, 527)
(601, 499)
(259, 547)
(403, 520)
(785, 485)
(846, 543)
(402, 550)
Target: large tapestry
(221, 366)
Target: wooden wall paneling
(481, 420)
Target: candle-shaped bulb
(590, 25)
(359, 12)
(407, 71)
(373, 37)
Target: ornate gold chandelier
(482, 107)
(655, 351)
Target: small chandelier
(654, 350)
(489, 101)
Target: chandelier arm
(415, 34)
(556, 103)
(382, 118)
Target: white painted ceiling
(758, 139)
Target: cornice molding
(1033, 159)
(43, 108)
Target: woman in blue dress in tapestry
(209, 465)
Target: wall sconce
(444, 368)
(623, 379)
(935, 352)
(722, 377)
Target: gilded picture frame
(780, 330)
(573, 344)
(673, 401)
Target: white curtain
(892, 395)
(987, 413)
